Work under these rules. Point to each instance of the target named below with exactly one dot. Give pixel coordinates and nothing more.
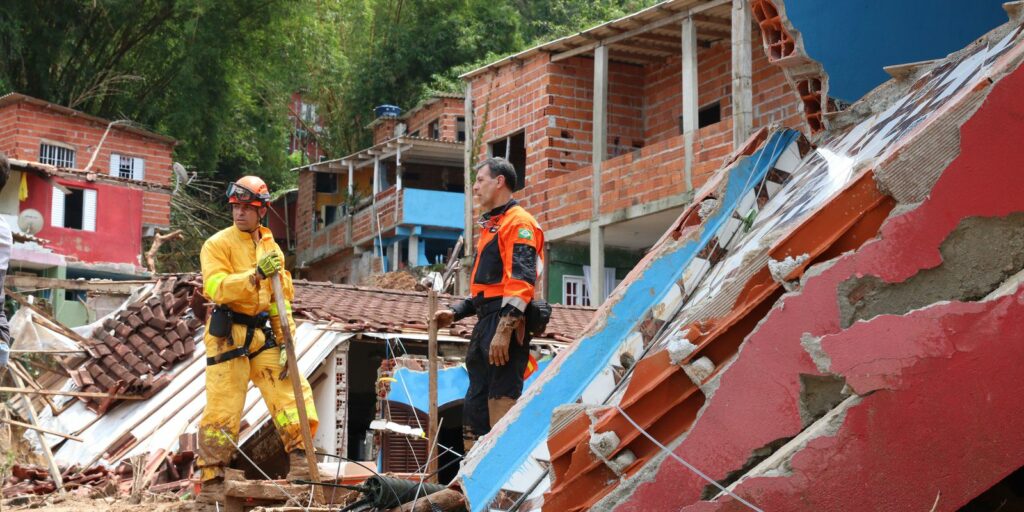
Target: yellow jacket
(228, 262)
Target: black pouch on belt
(220, 322)
(538, 313)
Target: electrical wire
(689, 466)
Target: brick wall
(364, 227)
(26, 125)
(552, 102)
(445, 110)
(384, 130)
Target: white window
(58, 156)
(74, 210)
(575, 291)
(127, 167)
(609, 280)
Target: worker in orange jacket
(244, 339)
(508, 265)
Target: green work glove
(269, 264)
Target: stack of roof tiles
(29, 479)
(138, 343)
(355, 308)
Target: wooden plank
(669, 20)
(58, 482)
(296, 378)
(52, 392)
(45, 430)
(91, 285)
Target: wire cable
(689, 466)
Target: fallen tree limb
(159, 240)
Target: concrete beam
(620, 215)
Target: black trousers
(489, 381)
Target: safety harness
(251, 323)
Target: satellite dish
(30, 221)
(181, 173)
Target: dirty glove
(507, 325)
(268, 265)
(444, 318)
(283, 361)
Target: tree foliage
(217, 74)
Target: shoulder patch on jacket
(525, 234)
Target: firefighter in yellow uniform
(243, 338)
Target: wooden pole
(37, 428)
(78, 394)
(293, 371)
(446, 279)
(58, 482)
(432, 377)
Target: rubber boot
(211, 493)
(497, 407)
(298, 467)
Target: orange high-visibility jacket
(509, 256)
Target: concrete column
(396, 255)
(414, 251)
(398, 168)
(467, 192)
(376, 175)
(742, 95)
(351, 177)
(599, 153)
(690, 95)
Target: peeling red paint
(943, 415)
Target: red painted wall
(118, 235)
(24, 125)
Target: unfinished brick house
(615, 127)
(89, 190)
(396, 204)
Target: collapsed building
(831, 324)
(135, 382)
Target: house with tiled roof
(397, 204)
(90, 190)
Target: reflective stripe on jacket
(509, 256)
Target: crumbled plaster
(977, 256)
(708, 207)
(780, 269)
(679, 347)
(812, 344)
(699, 370)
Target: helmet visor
(239, 194)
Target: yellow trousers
(226, 386)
